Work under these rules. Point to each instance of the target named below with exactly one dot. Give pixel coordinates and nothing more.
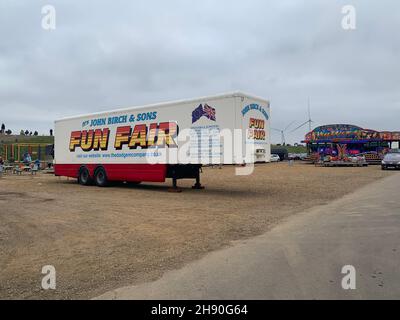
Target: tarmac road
(301, 258)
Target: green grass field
(293, 149)
(4, 139)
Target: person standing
(1, 166)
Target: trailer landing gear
(174, 187)
(198, 185)
(184, 172)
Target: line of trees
(22, 132)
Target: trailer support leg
(198, 185)
(174, 186)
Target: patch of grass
(293, 149)
(4, 139)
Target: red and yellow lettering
(87, 140)
(167, 131)
(152, 135)
(122, 137)
(75, 140)
(138, 137)
(251, 123)
(256, 123)
(100, 140)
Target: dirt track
(103, 238)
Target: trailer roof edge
(167, 103)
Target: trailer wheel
(84, 177)
(100, 177)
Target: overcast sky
(106, 54)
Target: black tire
(84, 177)
(383, 168)
(100, 177)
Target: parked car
(391, 159)
(275, 158)
(303, 156)
(297, 156)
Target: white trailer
(166, 140)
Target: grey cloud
(111, 54)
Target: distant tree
(51, 132)
(9, 132)
(22, 133)
(36, 133)
(3, 128)
(30, 133)
(26, 132)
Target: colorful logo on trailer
(204, 111)
(256, 129)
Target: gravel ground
(100, 239)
